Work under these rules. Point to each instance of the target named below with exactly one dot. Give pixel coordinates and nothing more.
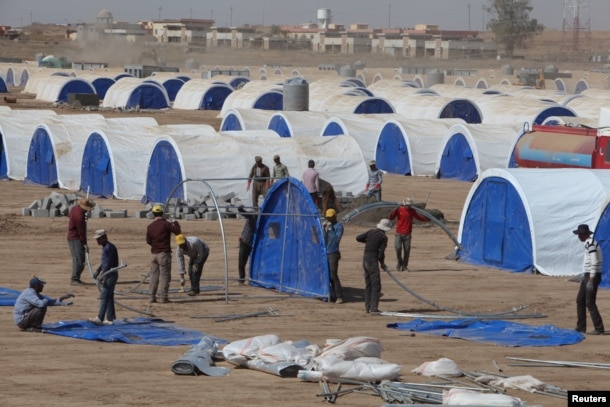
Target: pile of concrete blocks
(56, 205)
(197, 208)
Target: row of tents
(498, 104)
(515, 219)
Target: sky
(448, 14)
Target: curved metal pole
(222, 229)
(285, 236)
(423, 212)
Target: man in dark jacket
(375, 241)
(158, 236)
(77, 237)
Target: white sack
(440, 367)
(460, 397)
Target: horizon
(467, 15)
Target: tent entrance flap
(496, 230)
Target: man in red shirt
(404, 226)
(77, 237)
(158, 236)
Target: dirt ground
(61, 371)
(58, 371)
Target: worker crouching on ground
(198, 252)
(31, 306)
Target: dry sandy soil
(58, 371)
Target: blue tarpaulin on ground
(496, 332)
(137, 331)
(8, 296)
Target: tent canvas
(470, 149)
(288, 251)
(522, 219)
(410, 147)
(291, 123)
(246, 119)
(202, 94)
(57, 88)
(115, 158)
(264, 95)
(56, 148)
(514, 109)
(16, 129)
(131, 93)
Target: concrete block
(35, 204)
(46, 203)
(141, 214)
(118, 214)
(54, 212)
(211, 216)
(227, 197)
(190, 216)
(26, 212)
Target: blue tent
(231, 122)
(41, 165)
(522, 219)
(271, 100)
(374, 105)
(214, 97)
(101, 85)
(96, 168)
(392, 152)
(3, 159)
(171, 85)
(164, 173)
(74, 85)
(3, 87)
(602, 235)
(461, 109)
(457, 160)
(288, 252)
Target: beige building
(181, 31)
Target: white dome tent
(522, 219)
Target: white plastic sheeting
(16, 129)
(421, 106)
(555, 202)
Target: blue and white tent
(295, 123)
(245, 119)
(202, 94)
(429, 106)
(469, 149)
(16, 129)
(132, 93)
(56, 149)
(57, 88)
(512, 109)
(263, 95)
(115, 158)
(522, 219)
(100, 83)
(410, 147)
(288, 252)
(3, 87)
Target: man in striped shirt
(587, 293)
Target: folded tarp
(199, 360)
(139, 331)
(496, 332)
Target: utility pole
(469, 17)
(483, 18)
(160, 8)
(231, 17)
(191, 14)
(389, 15)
